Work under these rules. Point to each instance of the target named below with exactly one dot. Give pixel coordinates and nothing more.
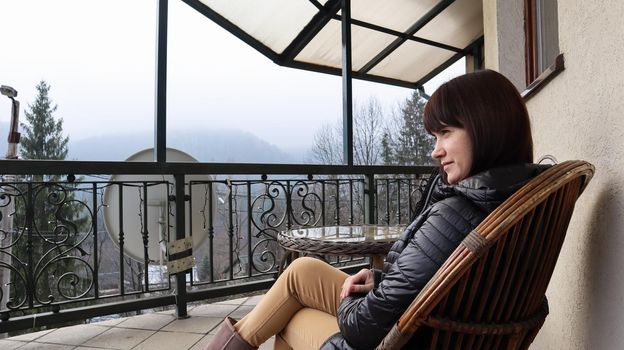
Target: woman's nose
(437, 151)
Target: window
(542, 39)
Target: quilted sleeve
(365, 320)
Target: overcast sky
(99, 58)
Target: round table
(347, 240)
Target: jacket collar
(488, 189)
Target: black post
(30, 277)
(160, 119)
(347, 89)
(96, 267)
(370, 216)
(180, 234)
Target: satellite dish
(160, 212)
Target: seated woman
(484, 149)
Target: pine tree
(386, 148)
(413, 145)
(58, 219)
(43, 135)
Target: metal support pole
(180, 233)
(30, 285)
(160, 119)
(96, 263)
(370, 215)
(347, 89)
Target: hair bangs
(439, 112)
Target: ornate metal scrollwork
(264, 255)
(45, 252)
(267, 215)
(267, 218)
(305, 212)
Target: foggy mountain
(228, 146)
(205, 146)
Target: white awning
(400, 42)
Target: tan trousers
(300, 308)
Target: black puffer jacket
(422, 248)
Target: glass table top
(348, 233)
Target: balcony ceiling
(398, 42)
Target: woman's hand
(361, 282)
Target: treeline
(396, 139)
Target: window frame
(537, 76)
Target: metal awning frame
(326, 12)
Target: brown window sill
(544, 78)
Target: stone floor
(154, 331)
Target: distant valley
(227, 146)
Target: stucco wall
(504, 32)
(580, 115)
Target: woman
(484, 149)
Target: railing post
(94, 226)
(180, 233)
(160, 118)
(30, 217)
(370, 216)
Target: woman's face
(453, 150)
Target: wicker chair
(490, 293)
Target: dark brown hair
(491, 110)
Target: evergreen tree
(408, 142)
(58, 218)
(43, 135)
(386, 149)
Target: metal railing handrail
(63, 167)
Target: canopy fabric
(399, 42)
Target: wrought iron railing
(60, 254)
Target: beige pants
(300, 308)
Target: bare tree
(327, 146)
(368, 132)
(368, 128)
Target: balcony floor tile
(45, 346)
(213, 310)
(169, 340)
(31, 336)
(241, 311)
(153, 321)
(194, 324)
(119, 338)
(10, 344)
(158, 330)
(74, 335)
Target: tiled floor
(155, 331)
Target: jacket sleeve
(364, 321)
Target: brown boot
(227, 338)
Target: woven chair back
(490, 293)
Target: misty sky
(99, 58)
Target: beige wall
(580, 115)
(504, 32)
